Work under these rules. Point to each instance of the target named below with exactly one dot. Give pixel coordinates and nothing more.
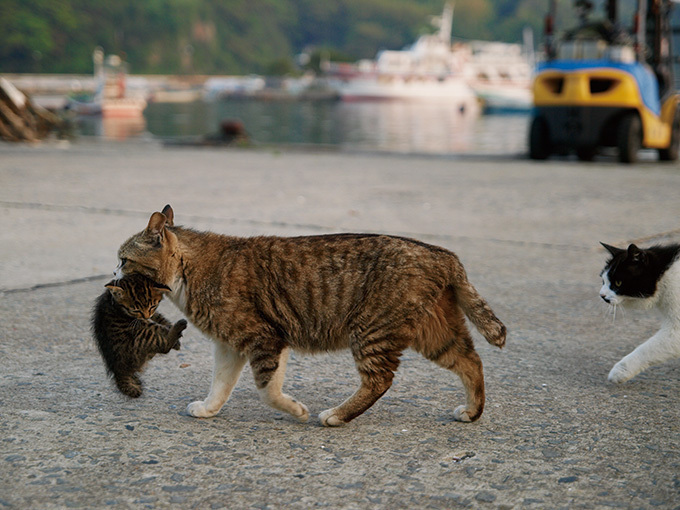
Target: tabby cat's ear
(114, 289)
(170, 215)
(161, 287)
(613, 250)
(156, 227)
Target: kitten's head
(137, 295)
(630, 275)
(153, 252)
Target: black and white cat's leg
(226, 371)
(269, 369)
(663, 346)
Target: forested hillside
(233, 36)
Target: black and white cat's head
(631, 276)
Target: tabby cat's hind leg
(226, 371)
(269, 369)
(460, 357)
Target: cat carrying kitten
(129, 331)
(645, 278)
(259, 297)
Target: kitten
(129, 331)
(645, 278)
(376, 295)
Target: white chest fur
(178, 295)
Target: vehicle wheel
(629, 139)
(586, 153)
(671, 153)
(539, 139)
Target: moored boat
(427, 70)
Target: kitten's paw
(177, 345)
(620, 374)
(180, 325)
(198, 410)
(461, 414)
(328, 418)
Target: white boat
(426, 70)
(499, 73)
(111, 98)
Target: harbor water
(396, 126)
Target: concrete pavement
(554, 434)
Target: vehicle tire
(586, 153)
(539, 139)
(671, 153)
(629, 138)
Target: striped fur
(375, 295)
(129, 331)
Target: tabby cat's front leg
(269, 369)
(226, 371)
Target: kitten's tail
(478, 310)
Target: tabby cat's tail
(479, 312)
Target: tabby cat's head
(139, 296)
(153, 252)
(629, 275)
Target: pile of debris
(20, 119)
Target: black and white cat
(644, 279)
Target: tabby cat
(259, 297)
(645, 278)
(129, 331)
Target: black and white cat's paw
(198, 409)
(621, 373)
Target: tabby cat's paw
(461, 414)
(328, 418)
(620, 374)
(304, 412)
(198, 410)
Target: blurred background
(414, 76)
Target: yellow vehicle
(605, 86)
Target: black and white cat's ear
(613, 250)
(636, 254)
(170, 215)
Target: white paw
(303, 414)
(198, 410)
(620, 374)
(328, 418)
(461, 414)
